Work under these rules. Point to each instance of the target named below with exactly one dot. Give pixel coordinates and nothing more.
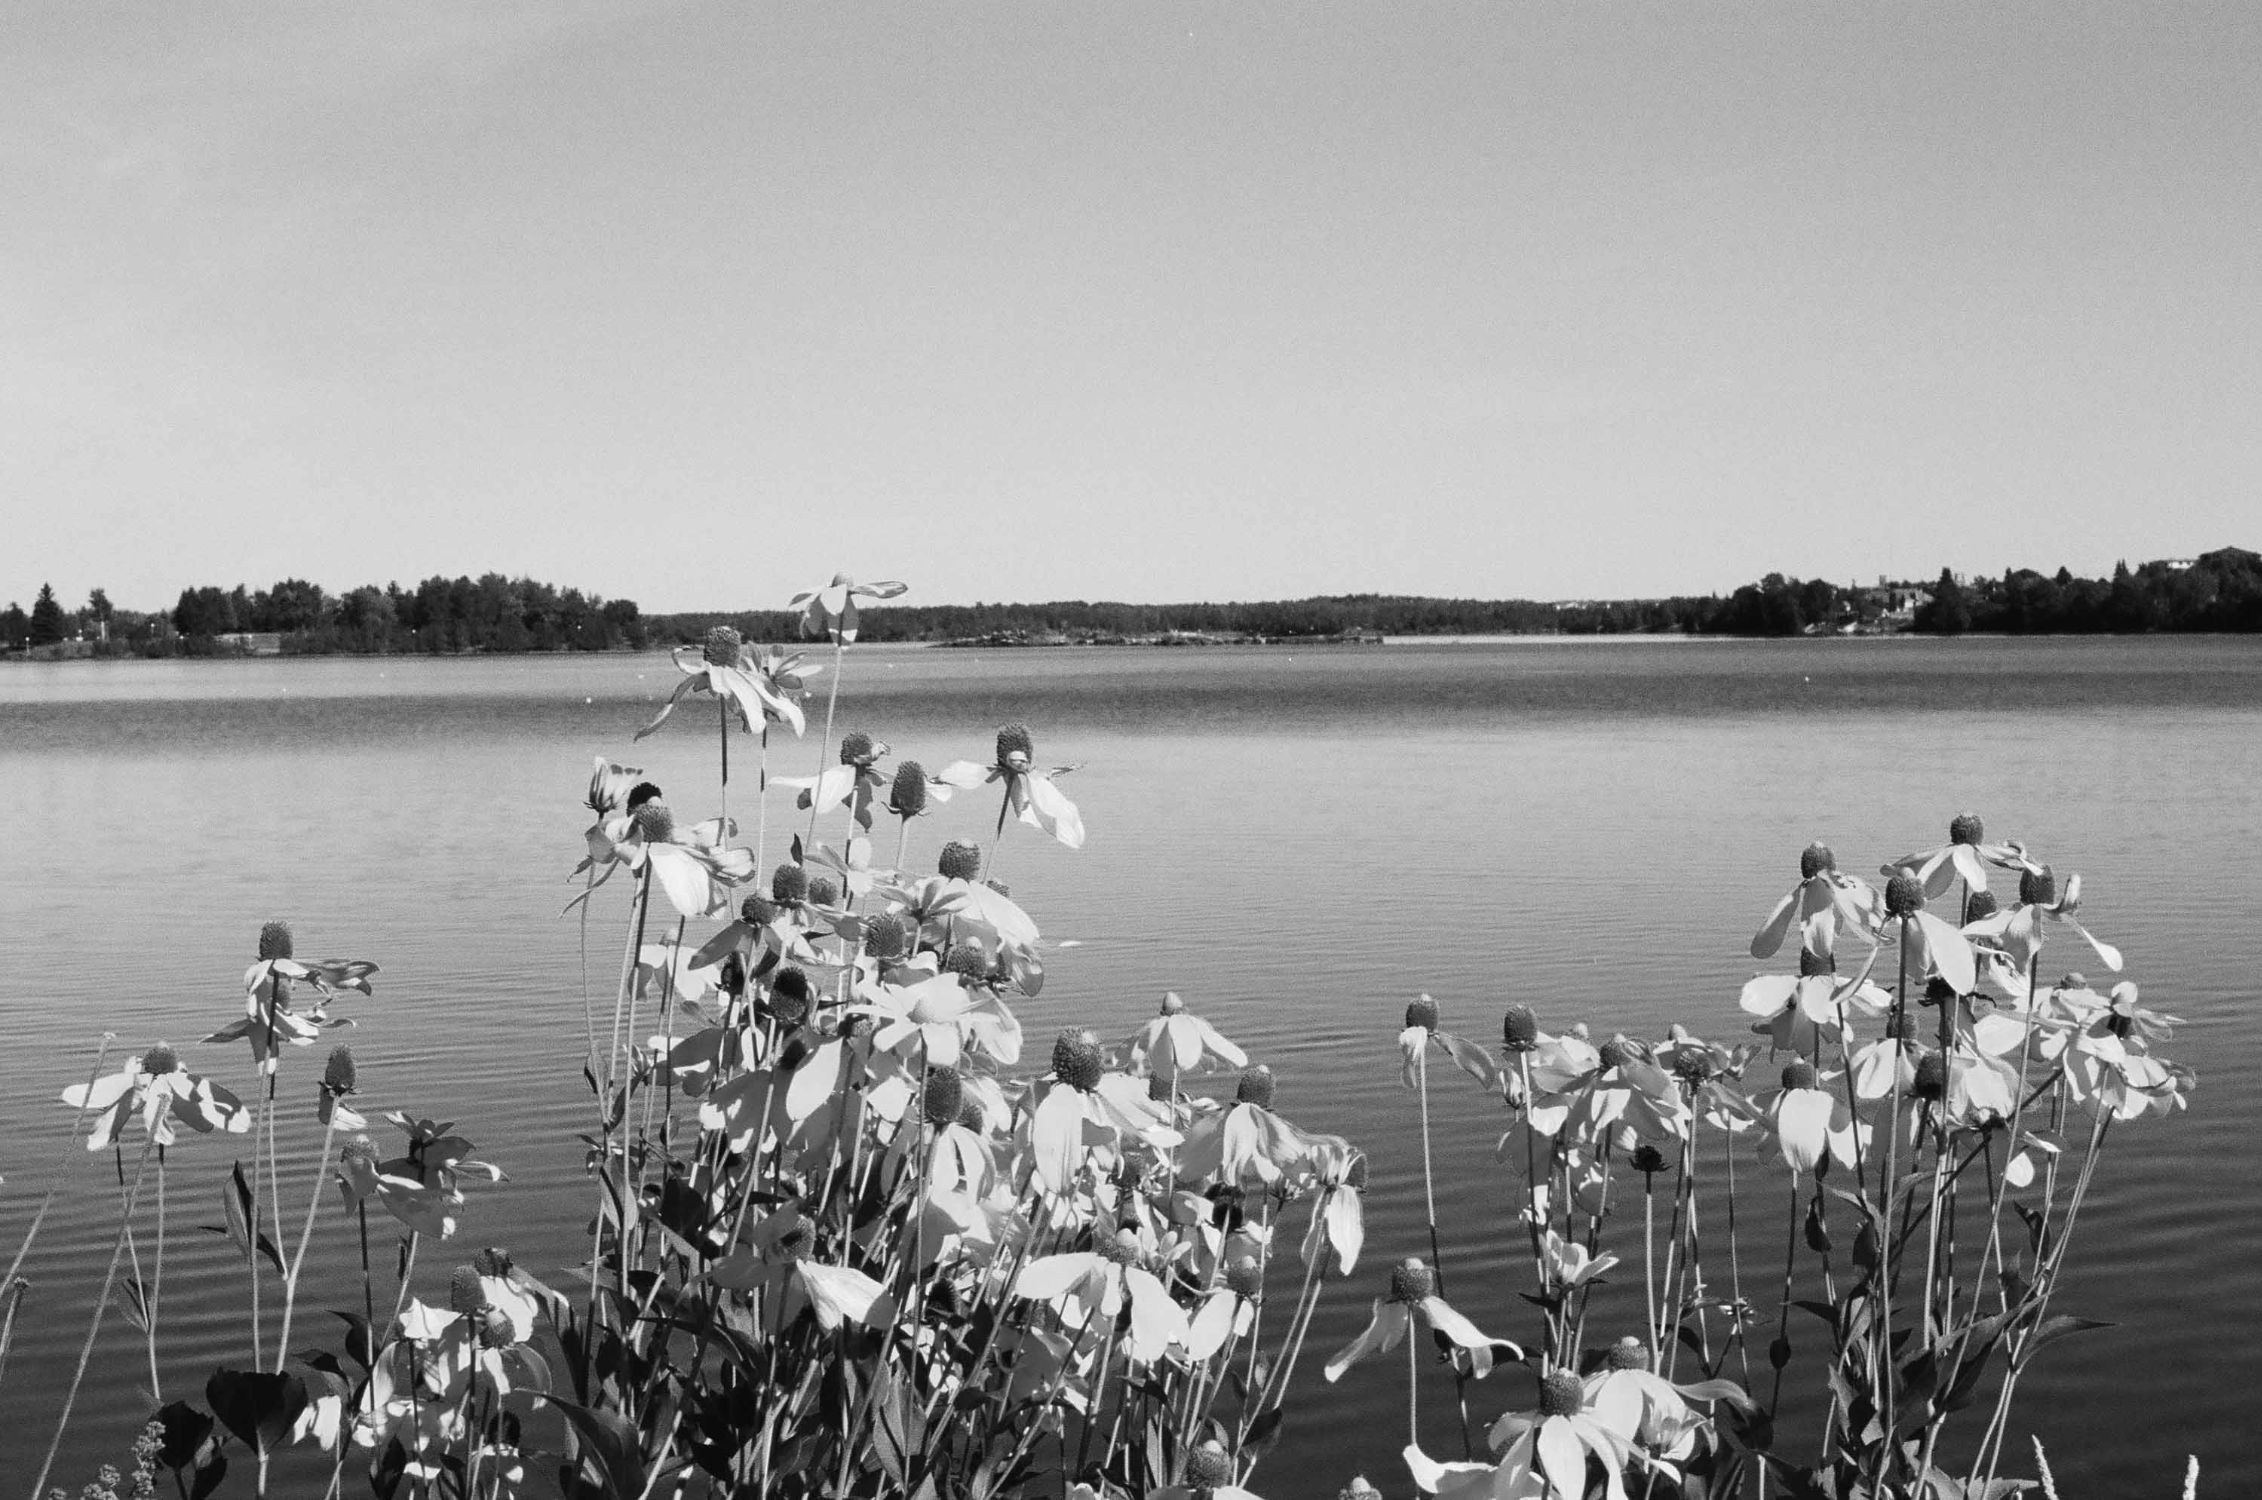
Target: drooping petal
(688, 685)
(1950, 952)
(1056, 1138)
(1802, 1127)
(1561, 1456)
(1156, 1321)
(1209, 1328)
(1383, 1331)
(1771, 933)
(1046, 808)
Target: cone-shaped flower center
(960, 860)
(1692, 1065)
(794, 1244)
(275, 941)
(1561, 1395)
(1245, 1278)
(1981, 904)
(945, 1092)
(338, 1073)
(885, 937)
(1904, 895)
(789, 995)
(1122, 1247)
(968, 960)
(493, 1261)
(1965, 828)
(1256, 1087)
(1519, 1029)
(1931, 1076)
(1814, 859)
(639, 794)
(465, 1294)
(1799, 1075)
(1615, 1053)
(2038, 887)
(1648, 1158)
(654, 822)
(1411, 1281)
(160, 1060)
(1209, 1466)
(1076, 1060)
(823, 892)
(1013, 740)
(970, 1116)
(757, 911)
(856, 749)
(1629, 1353)
(789, 884)
(1422, 1013)
(722, 646)
(361, 1151)
(907, 794)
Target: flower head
(831, 609)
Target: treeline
(438, 616)
(2221, 591)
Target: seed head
(275, 941)
(945, 1093)
(970, 1116)
(789, 995)
(1208, 1467)
(757, 911)
(1422, 1013)
(160, 1060)
(639, 794)
(654, 822)
(1012, 740)
(1816, 858)
(493, 1261)
(959, 861)
(1561, 1395)
(722, 647)
(1245, 1278)
(907, 794)
(1899, 1027)
(1172, 1005)
(1411, 1281)
(1076, 1060)
(967, 960)
(1256, 1087)
(823, 892)
(338, 1072)
(789, 885)
(1980, 905)
(1812, 963)
(886, 937)
(857, 748)
(1799, 1075)
(1519, 1029)
(1648, 1158)
(1931, 1077)
(1904, 895)
(1629, 1353)
(1965, 828)
(2038, 887)
(465, 1294)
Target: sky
(697, 304)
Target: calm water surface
(1296, 840)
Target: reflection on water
(1296, 839)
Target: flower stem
(305, 1234)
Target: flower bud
(1256, 1087)
(722, 646)
(967, 960)
(1799, 1075)
(1519, 1029)
(1812, 963)
(465, 1294)
(1814, 859)
(1246, 1279)
(639, 794)
(1980, 905)
(823, 892)
(1629, 1353)
(1904, 895)
(1411, 1281)
(1013, 740)
(757, 911)
(789, 996)
(1422, 1013)
(1648, 1159)
(653, 822)
(1209, 1467)
(1076, 1060)
(275, 941)
(943, 1096)
(959, 860)
(1561, 1395)
(857, 749)
(789, 885)
(2038, 887)
(907, 794)
(1931, 1080)
(886, 937)
(160, 1060)
(338, 1073)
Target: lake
(1296, 840)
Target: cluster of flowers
(1912, 1074)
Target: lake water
(1296, 840)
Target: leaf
(237, 1201)
(893, 1420)
(1264, 1434)
(258, 1406)
(133, 1303)
(611, 1444)
(2050, 1330)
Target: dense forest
(2221, 591)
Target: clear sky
(696, 303)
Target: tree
(46, 617)
(1948, 612)
(15, 627)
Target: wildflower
(1029, 793)
(1177, 1042)
(690, 864)
(1084, 1100)
(1228, 1310)
(420, 1187)
(2020, 929)
(269, 985)
(1569, 1265)
(1551, 1443)
(1823, 891)
(1083, 1284)
(1798, 1012)
(1209, 1476)
(1966, 854)
(777, 1252)
(723, 665)
(831, 610)
(1338, 1214)
(338, 1082)
(156, 1087)
(1421, 1034)
(1413, 1290)
(934, 1011)
(855, 783)
(1943, 948)
(1809, 1121)
(1631, 1398)
(1245, 1141)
